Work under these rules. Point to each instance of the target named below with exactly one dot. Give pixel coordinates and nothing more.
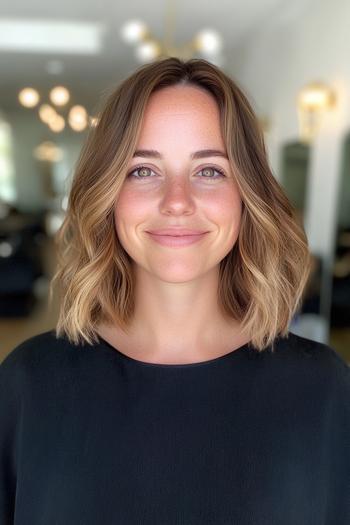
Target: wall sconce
(313, 100)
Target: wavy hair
(261, 280)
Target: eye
(207, 169)
(137, 169)
(218, 170)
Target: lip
(176, 232)
(177, 240)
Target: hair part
(261, 280)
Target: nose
(177, 197)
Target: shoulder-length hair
(262, 278)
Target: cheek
(129, 208)
(228, 211)
(225, 208)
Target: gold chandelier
(207, 43)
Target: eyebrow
(201, 154)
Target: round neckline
(106, 345)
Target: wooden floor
(15, 330)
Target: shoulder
(45, 365)
(37, 355)
(29, 349)
(314, 361)
(309, 349)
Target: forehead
(175, 100)
(181, 111)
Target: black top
(90, 436)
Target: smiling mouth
(182, 235)
(176, 233)
(177, 240)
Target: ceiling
(88, 75)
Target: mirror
(340, 299)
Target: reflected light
(64, 203)
(48, 151)
(6, 250)
(53, 221)
(93, 121)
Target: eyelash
(220, 171)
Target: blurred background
(58, 60)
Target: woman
(171, 391)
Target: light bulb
(133, 31)
(147, 51)
(208, 41)
(59, 95)
(47, 113)
(78, 118)
(57, 124)
(28, 97)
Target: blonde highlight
(262, 279)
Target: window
(7, 174)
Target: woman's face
(176, 190)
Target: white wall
(271, 66)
